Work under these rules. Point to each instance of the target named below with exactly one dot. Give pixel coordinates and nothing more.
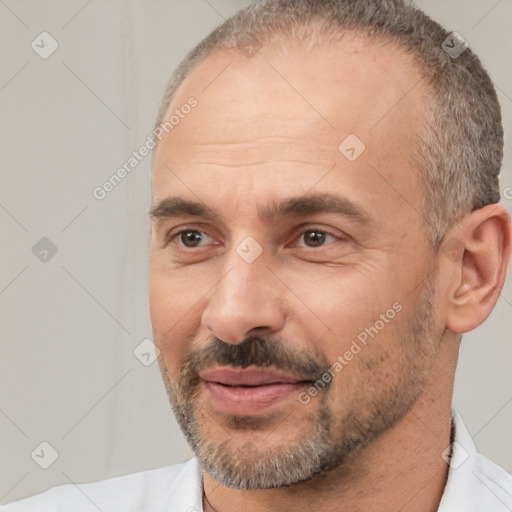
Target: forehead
(351, 84)
(289, 111)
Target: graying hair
(460, 145)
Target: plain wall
(69, 325)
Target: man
(326, 226)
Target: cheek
(174, 306)
(341, 303)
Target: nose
(244, 302)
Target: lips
(247, 377)
(248, 391)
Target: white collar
(474, 484)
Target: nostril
(258, 330)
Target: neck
(401, 470)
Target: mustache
(258, 351)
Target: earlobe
(478, 255)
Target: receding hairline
(278, 45)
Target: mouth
(248, 391)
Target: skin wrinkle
(259, 163)
(213, 158)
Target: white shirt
(475, 484)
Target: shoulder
(150, 491)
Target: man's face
(292, 303)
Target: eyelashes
(308, 237)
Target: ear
(478, 251)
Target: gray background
(70, 325)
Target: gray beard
(325, 442)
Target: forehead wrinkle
(251, 151)
(205, 145)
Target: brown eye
(315, 238)
(191, 238)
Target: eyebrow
(313, 204)
(294, 206)
(179, 207)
